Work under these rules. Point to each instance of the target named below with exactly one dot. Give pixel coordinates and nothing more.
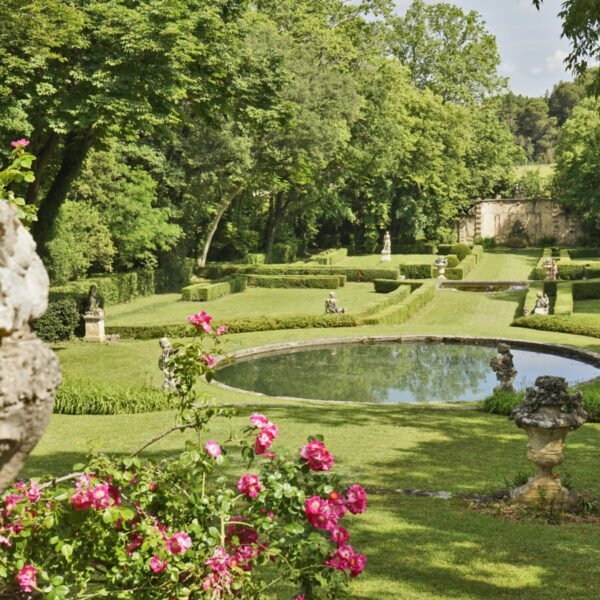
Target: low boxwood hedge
(570, 271)
(416, 271)
(461, 250)
(452, 261)
(256, 258)
(205, 292)
(592, 272)
(583, 253)
(297, 281)
(416, 248)
(398, 313)
(330, 257)
(576, 324)
(586, 290)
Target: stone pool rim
(585, 356)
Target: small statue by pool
(386, 253)
(331, 306)
(170, 382)
(542, 304)
(504, 367)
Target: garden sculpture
(504, 367)
(386, 253)
(94, 318)
(331, 305)
(441, 263)
(29, 372)
(554, 271)
(542, 304)
(547, 415)
(170, 382)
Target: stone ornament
(29, 372)
(504, 368)
(170, 382)
(94, 318)
(441, 263)
(331, 306)
(386, 253)
(547, 415)
(542, 304)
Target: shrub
(502, 402)
(592, 272)
(283, 253)
(173, 274)
(537, 274)
(384, 286)
(205, 292)
(576, 324)
(488, 243)
(416, 248)
(570, 271)
(591, 399)
(416, 271)
(586, 290)
(452, 273)
(78, 397)
(444, 249)
(396, 314)
(330, 257)
(297, 281)
(452, 261)
(389, 299)
(516, 242)
(255, 258)
(59, 322)
(579, 253)
(461, 250)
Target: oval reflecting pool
(392, 373)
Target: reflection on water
(391, 373)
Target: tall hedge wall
(296, 281)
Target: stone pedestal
(94, 327)
(386, 256)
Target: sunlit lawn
(587, 306)
(515, 265)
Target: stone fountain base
(543, 491)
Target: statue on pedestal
(542, 304)
(331, 306)
(504, 367)
(94, 318)
(441, 263)
(170, 382)
(386, 253)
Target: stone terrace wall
(541, 218)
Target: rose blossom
(20, 144)
(320, 513)
(158, 565)
(213, 448)
(11, 501)
(268, 433)
(209, 359)
(249, 485)
(199, 319)
(219, 561)
(5, 541)
(26, 578)
(317, 456)
(179, 543)
(338, 502)
(345, 559)
(339, 535)
(221, 330)
(356, 499)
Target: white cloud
(507, 68)
(553, 65)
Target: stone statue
(441, 263)
(94, 318)
(29, 372)
(386, 253)
(542, 304)
(504, 367)
(553, 271)
(170, 382)
(331, 305)
(547, 415)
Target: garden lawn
(417, 548)
(506, 266)
(169, 309)
(587, 306)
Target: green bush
(416, 248)
(586, 290)
(330, 257)
(461, 250)
(502, 402)
(452, 261)
(591, 399)
(391, 298)
(220, 270)
(173, 274)
(576, 324)
(398, 313)
(582, 253)
(384, 286)
(537, 274)
(79, 397)
(283, 253)
(444, 249)
(487, 243)
(256, 258)
(59, 322)
(592, 272)
(297, 281)
(451, 273)
(205, 292)
(416, 271)
(570, 271)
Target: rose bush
(19, 170)
(132, 527)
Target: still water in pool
(392, 373)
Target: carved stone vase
(29, 372)
(547, 415)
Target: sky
(529, 41)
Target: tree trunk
(43, 157)
(225, 204)
(74, 152)
(279, 209)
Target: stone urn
(547, 415)
(441, 263)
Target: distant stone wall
(541, 218)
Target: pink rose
(317, 456)
(158, 565)
(5, 541)
(221, 330)
(199, 319)
(219, 561)
(11, 501)
(81, 500)
(100, 496)
(320, 513)
(210, 360)
(356, 499)
(20, 144)
(26, 578)
(213, 448)
(179, 543)
(249, 485)
(339, 535)
(207, 328)
(258, 420)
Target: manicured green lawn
(587, 306)
(506, 266)
(168, 309)
(417, 548)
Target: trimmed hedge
(570, 271)
(173, 274)
(256, 258)
(417, 271)
(461, 250)
(391, 298)
(576, 324)
(416, 248)
(451, 273)
(330, 257)
(59, 322)
(205, 292)
(592, 272)
(217, 271)
(79, 397)
(297, 281)
(579, 253)
(586, 290)
(452, 261)
(402, 311)
(384, 286)
(444, 249)
(283, 253)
